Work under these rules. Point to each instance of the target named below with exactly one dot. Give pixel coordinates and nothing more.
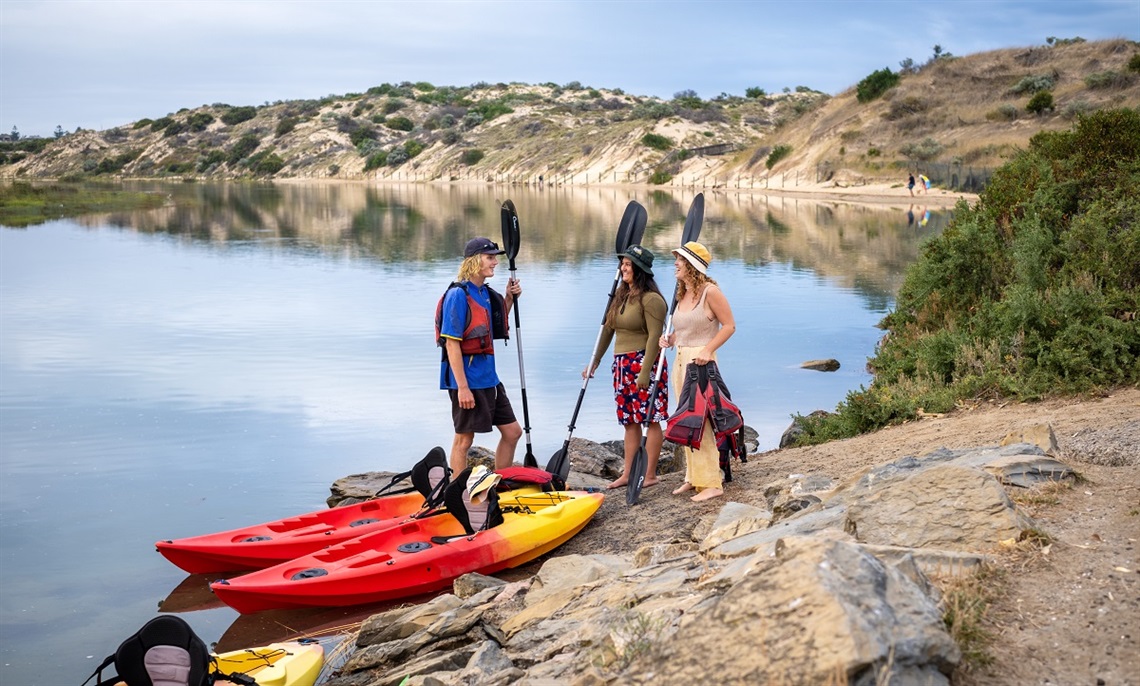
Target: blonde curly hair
(699, 281)
(470, 267)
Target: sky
(98, 64)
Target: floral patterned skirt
(633, 402)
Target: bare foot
(707, 494)
(621, 481)
(649, 482)
(683, 488)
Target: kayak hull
(409, 559)
(277, 664)
(270, 543)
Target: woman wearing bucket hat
(634, 322)
(702, 323)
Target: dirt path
(1069, 614)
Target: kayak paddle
(629, 232)
(691, 232)
(510, 220)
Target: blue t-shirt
(480, 369)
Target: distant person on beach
(910, 184)
(925, 185)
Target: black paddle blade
(636, 475)
(694, 221)
(560, 462)
(510, 222)
(631, 228)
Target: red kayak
(419, 556)
(264, 545)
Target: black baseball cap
(481, 245)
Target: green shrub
(396, 157)
(399, 124)
(236, 115)
(471, 156)
(142, 123)
(652, 110)
(1108, 79)
(393, 105)
(657, 141)
(413, 147)
(1033, 84)
(491, 109)
(875, 84)
(210, 159)
(285, 126)
(755, 92)
(1134, 62)
(160, 124)
(688, 99)
(1075, 108)
(1041, 102)
(1032, 292)
(362, 134)
(660, 177)
(376, 160)
(115, 163)
(198, 121)
(242, 148)
(778, 153)
(925, 150)
(1004, 112)
(174, 128)
(266, 163)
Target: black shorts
(492, 408)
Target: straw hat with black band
(696, 255)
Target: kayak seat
(430, 476)
(473, 516)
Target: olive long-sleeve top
(638, 327)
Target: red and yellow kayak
(416, 557)
(264, 545)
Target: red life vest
(481, 328)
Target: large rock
(945, 506)
(821, 611)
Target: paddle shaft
(529, 460)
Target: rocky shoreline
(806, 578)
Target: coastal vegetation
(1032, 292)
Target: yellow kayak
(293, 663)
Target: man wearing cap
(471, 315)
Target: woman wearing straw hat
(702, 323)
(634, 321)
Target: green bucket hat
(641, 258)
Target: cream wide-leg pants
(702, 467)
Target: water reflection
(865, 247)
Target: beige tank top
(695, 328)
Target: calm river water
(220, 362)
